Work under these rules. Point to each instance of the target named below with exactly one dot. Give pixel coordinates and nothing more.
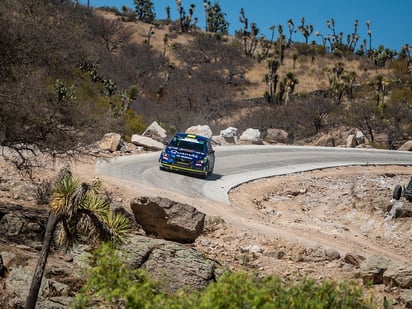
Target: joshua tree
(368, 24)
(250, 40)
(76, 209)
(306, 30)
(272, 80)
(215, 18)
(291, 28)
(185, 20)
(290, 81)
(145, 11)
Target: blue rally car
(188, 153)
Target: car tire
(397, 192)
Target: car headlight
(165, 156)
(201, 162)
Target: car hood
(183, 154)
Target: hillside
(69, 75)
(99, 67)
(312, 75)
(324, 92)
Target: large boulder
(202, 130)
(110, 142)
(276, 136)
(147, 142)
(398, 275)
(351, 141)
(372, 269)
(175, 265)
(228, 136)
(325, 141)
(156, 132)
(168, 219)
(250, 136)
(406, 147)
(360, 138)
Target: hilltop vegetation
(68, 74)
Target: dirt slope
(290, 226)
(286, 226)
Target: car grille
(182, 162)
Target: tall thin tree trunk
(41, 264)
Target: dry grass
(311, 75)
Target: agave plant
(76, 209)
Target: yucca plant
(76, 209)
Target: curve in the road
(242, 163)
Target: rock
(279, 254)
(354, 259)
(128, 147)
(229, 132)
(175, 265)
(332, 254)
(405, 297)
(406, 147)
(156, 132)
(22, 225)
(202, 130)
(372, 269)
(147, 142)
(2, 267)
(251, 136)
(351, 141)
(168, 219)
(229, 135)
(398, 275)
(276, 136)
(18, 283)
(399, 210)
(110, 142)
(326, 141)
(360, 138)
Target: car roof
(194, 136)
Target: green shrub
(135, 124)
(112, 284)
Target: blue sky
(390, 21)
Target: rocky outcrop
(393, 274)
(173, 264)
(22, 225)
(372, 269)
(398, 275)
(168, 219)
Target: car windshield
(188, 145)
